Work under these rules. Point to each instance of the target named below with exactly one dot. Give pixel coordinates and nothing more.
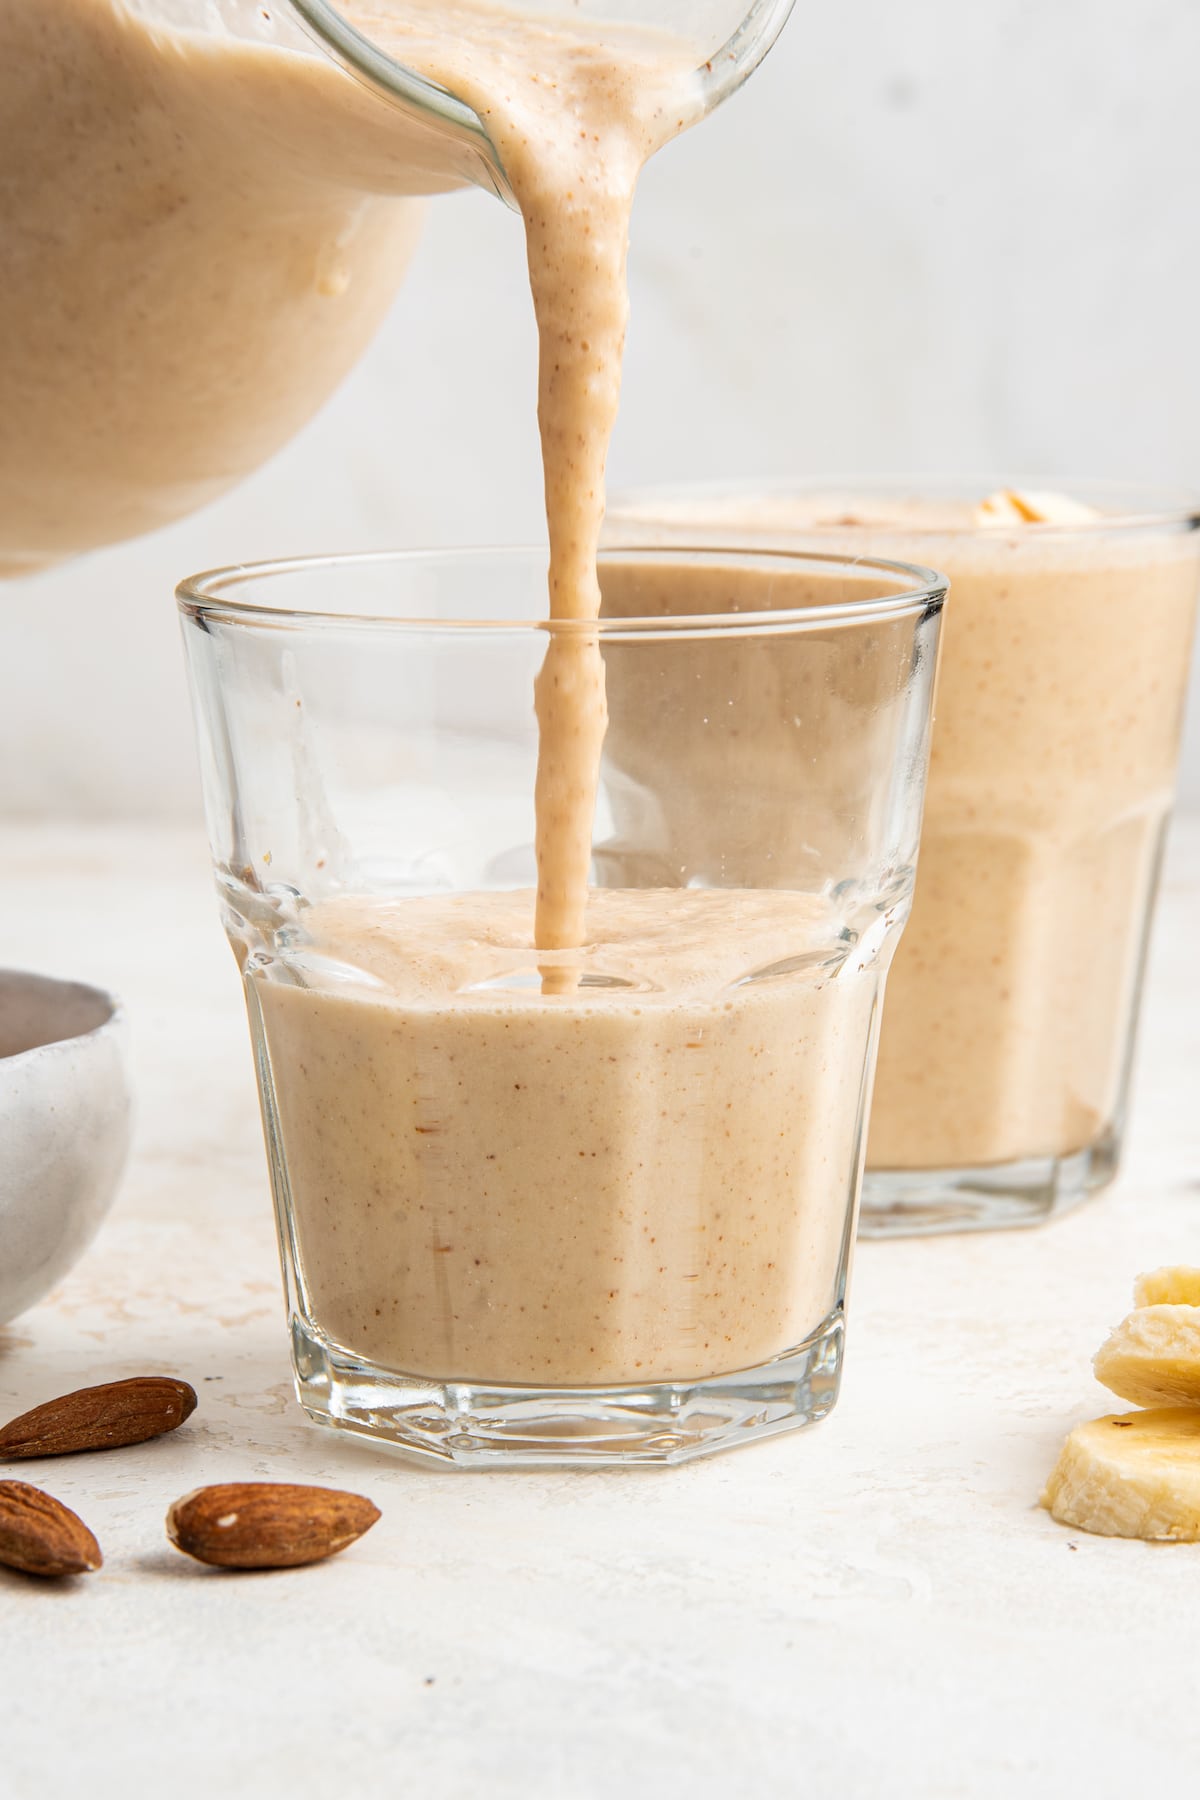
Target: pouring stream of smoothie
(574, 120)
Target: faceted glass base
(474, 1426)
(999, 1196)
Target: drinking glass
(1007, 1044)
(564, 1206)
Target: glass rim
(206, 596)
(1138, 506)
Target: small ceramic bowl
(65, 1110)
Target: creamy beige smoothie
(1065, 656)
(647, 1180)
(198, 235)
(1013, 996)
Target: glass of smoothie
(1006, 1049)
(593, 1203)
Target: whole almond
(41, 1536)
(267, 1524)
(100, 1418)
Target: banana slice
(1013, 506)
(1153, 1357)
(1168, 1287)
(1131, 1475)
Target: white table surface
(873, 1608)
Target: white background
(927, 235)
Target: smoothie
(198, 235)
(1012, 1001)
(647, 1180)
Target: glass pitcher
(206, 208)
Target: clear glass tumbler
(564, 1206)
(1007, 1044)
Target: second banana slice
(1153, 1357)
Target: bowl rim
(60, 989)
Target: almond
(100, 1418)
(41, 1536)
(267, 1524)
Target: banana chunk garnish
(1023, 506)
(1153, 1357)
(1134, 1475)
(1138, 1474)
(1175, 1286)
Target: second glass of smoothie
(591, 1204)
(1006, 1047)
